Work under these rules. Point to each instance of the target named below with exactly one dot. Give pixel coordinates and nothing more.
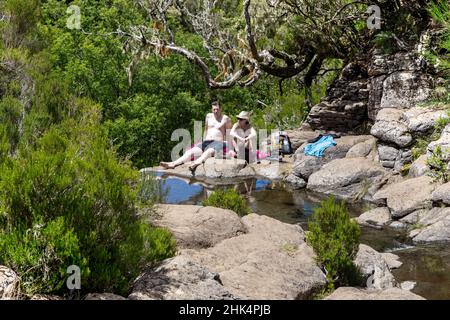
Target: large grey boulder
(179, 278)
(390, 127)
(442, 194)
(387, 153)
(434, 226)
(299, 136)
(437, 232)
(363, 149)
(295, 182)
(422, 120)
(377, 217)
(271, 261)
(197, 226)
(348, 178)
(305, 165)
(220, 168)
(407, 196)
(374, 268)
(404, 89)
(414, 217)
(9, 282)
(349, 293)
(272, 170)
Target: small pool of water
(429, 266)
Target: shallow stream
(428, 265)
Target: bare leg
(184, 158)
(205, 156)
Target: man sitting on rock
(216, 126)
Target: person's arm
(251, 139)
(234, 134)
(252, 134)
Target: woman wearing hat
(244, 138)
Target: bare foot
(167, 165)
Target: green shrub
(335, 240)
(68, 201)
(42, 254)
(439, 165)
(442, 122)
(228, 199)
(421, 144)
(404, 171)
(386, 42)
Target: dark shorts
(218, 146)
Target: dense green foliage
(335, 240)
(438, 162)
(440, 56)
(165, 94)
(65, 198)
(228, 199)
(67, 202)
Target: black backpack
(280, 141)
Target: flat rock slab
(348, 293)
(179, 278)
(197, 226)
(348, 178)
(442, 194)
(390, 127)
(407, 196)
(218, 171)
(392, 260)
(271, 261)
(377, 217)
(434, 226)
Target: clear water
(429, 266)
